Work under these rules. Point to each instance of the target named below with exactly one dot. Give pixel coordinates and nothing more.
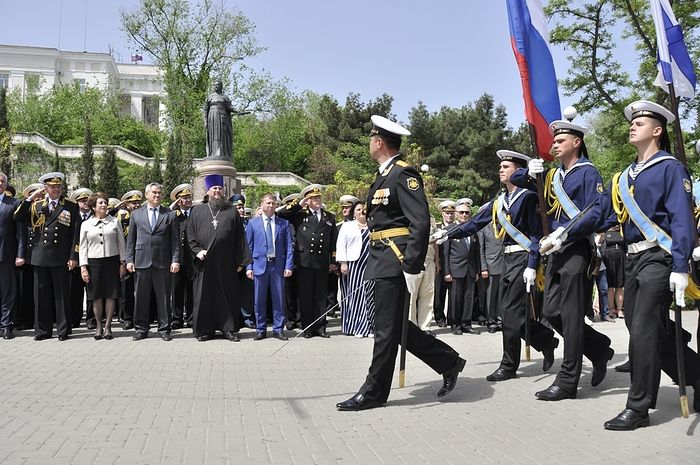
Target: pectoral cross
(215, 223)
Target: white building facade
(139, 87)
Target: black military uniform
(314, 252)
(77, 285)
(290, 289)
(126, 302)
(399, 221)
(442, 286)
(55, 241)
(181, 298)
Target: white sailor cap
(291, 198)
(29, 190)
(52, 179)
(112, 202)
(515, 157)
(80, 194)
(465, 201)
(348, 200)
(447, 205)
(650, 109)
(562, 126)
(312, 190)
(133, 196)
(385, 127)
(182, 190)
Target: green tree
(5, 135)
(109, 173)
(192, 44)
(86, 172)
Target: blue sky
(444, 52)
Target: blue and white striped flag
(673, 60)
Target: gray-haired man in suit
(153, 252)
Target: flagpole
(540, 183)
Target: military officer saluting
(314, 256)
(399, 221)
(652, 200)
(55, 223)
(129, 202)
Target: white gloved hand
(696, 254)
(535, 167)
(553, 242)
(411, 282)
(439, 236)
(678, 282)
(529, 278)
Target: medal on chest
(381, 196)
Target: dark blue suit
(269, 272)
(10, 243)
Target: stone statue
(217, 118)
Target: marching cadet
(399, 221)
(314, 256)
(569, 189)
(447, 210)
(54, 252)
(290, 288)
(513, 215)
(129, 202)
(181, 294)
(77, 285)
(652, 200)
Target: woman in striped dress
(352, 250)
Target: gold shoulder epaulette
(402, 164)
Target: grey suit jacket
(153, 249)
(491, 250)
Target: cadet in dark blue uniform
(518, 207)
(568, 285)
(55, 223)
(652, 198)
(399, 221)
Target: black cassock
(215, 289)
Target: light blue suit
(269, 273)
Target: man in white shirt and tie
(270, 240)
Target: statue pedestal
(216, 165)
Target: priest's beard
(220, 203)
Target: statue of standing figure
(217, 118)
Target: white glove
(696, 254)
(439, 236)
(553, 242)
(411, 282)
(529, 278)
(678, 282)
(535, 167)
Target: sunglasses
(461, 212)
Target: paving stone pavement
(186, 402)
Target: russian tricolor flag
(530, 41)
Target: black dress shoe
(469, 330)
(624, 368)
(128, 325)
(42, 337)
(696, 398)
(166, 336)
(62, 337)
(250, 325)
(204, 337)
(627, 420)
(442, 323)
(260, 336)
(548, 354)
(140, 336)
(291, 325)
(501, 375)
(176, 325)
(322, 333)
(231, 336)
(600, 368)
(554, 393)
(492, 329)
(457, 332)
(280, 336)
(308, 335)
(91, 325)
(356, 403)
(449, 378)
(9, 334)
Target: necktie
(52, 206)
(153, 218)
(268, 238)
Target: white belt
(514, 248)
(641, 246)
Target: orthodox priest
(217, 240)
